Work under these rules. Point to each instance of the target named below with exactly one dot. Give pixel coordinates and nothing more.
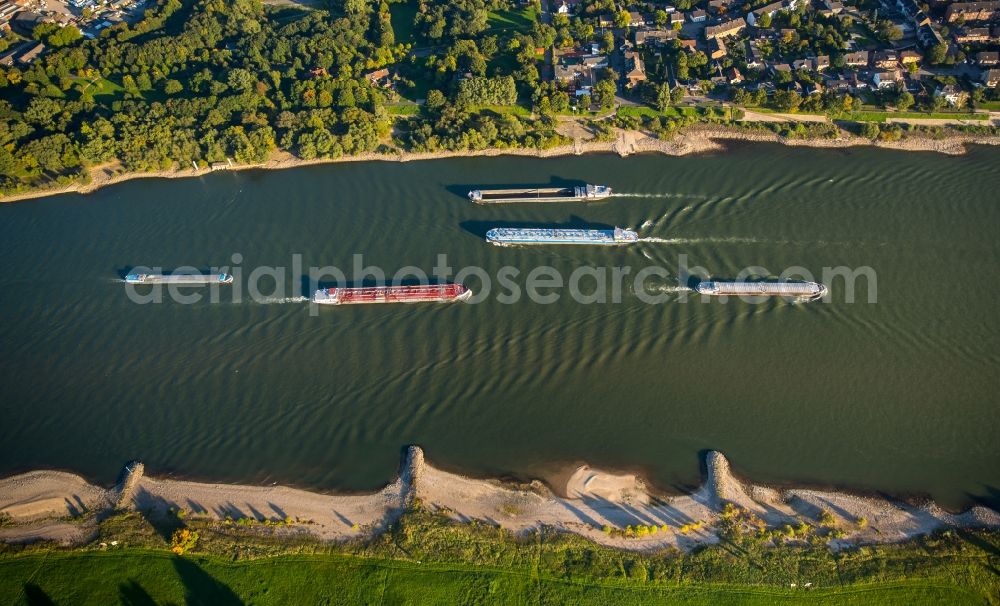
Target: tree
(663, 98)
(765, 21)
(870, 130)
(172, 87)
(904, 101)
(435, 99)
(937, 54)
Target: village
(787, 52)
(19, 21)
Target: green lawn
(672, 112)
(403, 109)
(993, 106)
(521, 19)
(101, 87)
(402, 16)
(878, 116)
(154, 577)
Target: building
(379, 77)
(857, 59)
(654, 36)
(770, 10)
(987, 58)
(636, 19)
(965, 35)
(885, 59)
(887, 79)
(990, 77)
(725, 29)
(698, 16)
(928, 36)
(25, 22)
(953, 95)
(717, 49)
(635, 71)
(31, 54)
(972, 11)
(676, 19)
(733, 76)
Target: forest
(205, 80)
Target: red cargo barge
(441, 293)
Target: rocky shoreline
(616, 510)
(697, 139)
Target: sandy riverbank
(40, 506)
(697, 139)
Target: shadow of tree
(201, 589)
(35, 596)
(132, 594)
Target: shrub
(183, 540)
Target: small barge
(809, 291)
(425, 293)
(187, 279)
(579, 193)
(507, 236)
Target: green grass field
(402, 16)
(672, 112)
(877, 116)
(154, 577)
(427, 559)
(521, 19)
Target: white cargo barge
(507, 236)
(189, 279)
(579, 193)
(799, 290)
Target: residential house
(725, 29)
(31, 54)
(928, 36)
(857, 59)
(990, 77)
(972, 11)
(697, 16)
(654, 36)
(887, 79)
(953, 95)
(635, 71)
(717, 49)
(971, 34)
(833, 7)
(885, 59)
(676, 19)
(733, 76)
(987, 58)
(805, 64)
(821, 62)
(839, 85)
(755, 58)
(689, 45)
(718, 7)
(379, 77)
(910, 56)
(636, 19)
(770, 10)
(781, 67)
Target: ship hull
(181, 279)
(584, 193)
(808, 291)
(448, 293)
(505, 236)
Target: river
(897, 395)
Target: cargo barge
(426, 293)
(507, 236)
(800, 290)
(188, 279)
(579, 193)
